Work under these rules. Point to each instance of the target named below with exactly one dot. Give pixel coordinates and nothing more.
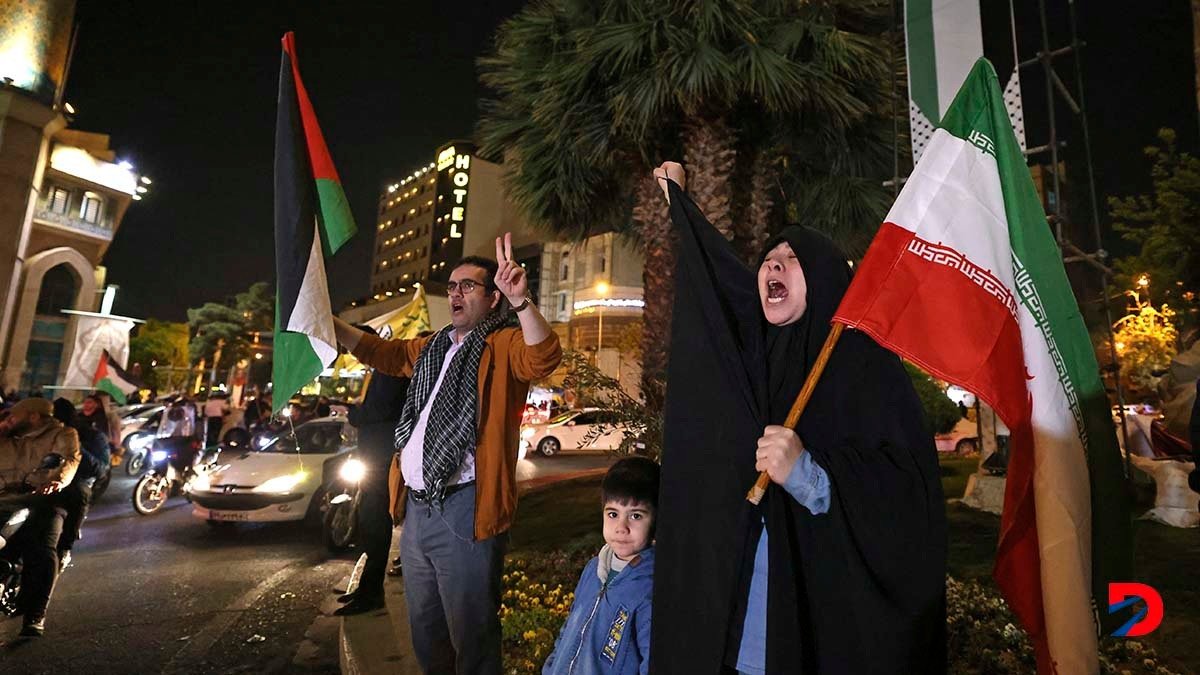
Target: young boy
(608, 629)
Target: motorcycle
(14, 511)
(13, 515)
(342, 495)
(176, 462)
(137, 451)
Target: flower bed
(981, 633)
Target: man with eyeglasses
(457, 440)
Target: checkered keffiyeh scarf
(450, 431)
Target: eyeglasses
(467, 286)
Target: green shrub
(941, 414)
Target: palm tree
(779, 110)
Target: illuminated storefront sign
(583, 306)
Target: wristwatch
(521, 307)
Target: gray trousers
(452, 587)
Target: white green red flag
(111, 378)
(965, 279)
(312, 219)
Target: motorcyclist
(28, 435)
(94, 462)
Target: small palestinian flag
(111, 378)
(312, 219)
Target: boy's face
(627, 527)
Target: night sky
(188, 92)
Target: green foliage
(1164, 224)
(639, 421)
(940, 412)
(160, 342)
(588, 96)
(228, 326)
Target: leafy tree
(159, 344)
(1146, 341)
(223, 331)
(773, 106)
(640, 422)
(940, 412)
(1164, 224)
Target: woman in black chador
(842, 567)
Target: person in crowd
(608, 628)
(27, 436)
(92, 413)
(177, 420)
(375, 418)
(841, 568)
(458, 437)
(215, 409)
(94, 461)
(114, 426)
(323, 408)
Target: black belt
(422, 496)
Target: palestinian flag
(312, 220)
(111, 378)
(965, 279)
(943, 38)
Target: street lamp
(1143, 281)
(601, 291)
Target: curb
(378, 642)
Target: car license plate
(228, 515)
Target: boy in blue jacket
(608, 629)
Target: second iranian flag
(965, 279)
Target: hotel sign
(453, 194)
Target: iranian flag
(109, 377)
(312, 220)
(965, 280)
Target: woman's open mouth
(776, 292)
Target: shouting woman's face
(781, 286)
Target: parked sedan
(285, 480)
(590, 429)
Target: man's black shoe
(395, 571)
(360, 605)
(396, 562)
(347, 597)
(33, 628)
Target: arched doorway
(48, 335)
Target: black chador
(859, 589)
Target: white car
(591, 429)
(282, 481)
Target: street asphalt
(169, 594)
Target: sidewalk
(379, 642)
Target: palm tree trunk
(658, 285)
(754, 228)
(710, 156)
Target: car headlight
(528, 432)
(158, 455)
(352, 470)
(282, 483)
(140, 443)
(263, 441)
(200, 482)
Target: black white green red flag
(312, 220)
(965, 279)
(111, 378)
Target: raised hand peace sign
(510, 277)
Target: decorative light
(137, 198)
(124, 164)
(1143, 281)
(146, 180)
(142, 189)
(258, 356)
(69, 108)
(602, 288)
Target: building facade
(62, 197)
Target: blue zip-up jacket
(608, 629)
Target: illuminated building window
(59, 199)
(89, 211)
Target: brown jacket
(506, 368)
(19, 455)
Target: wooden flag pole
(810, 383)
